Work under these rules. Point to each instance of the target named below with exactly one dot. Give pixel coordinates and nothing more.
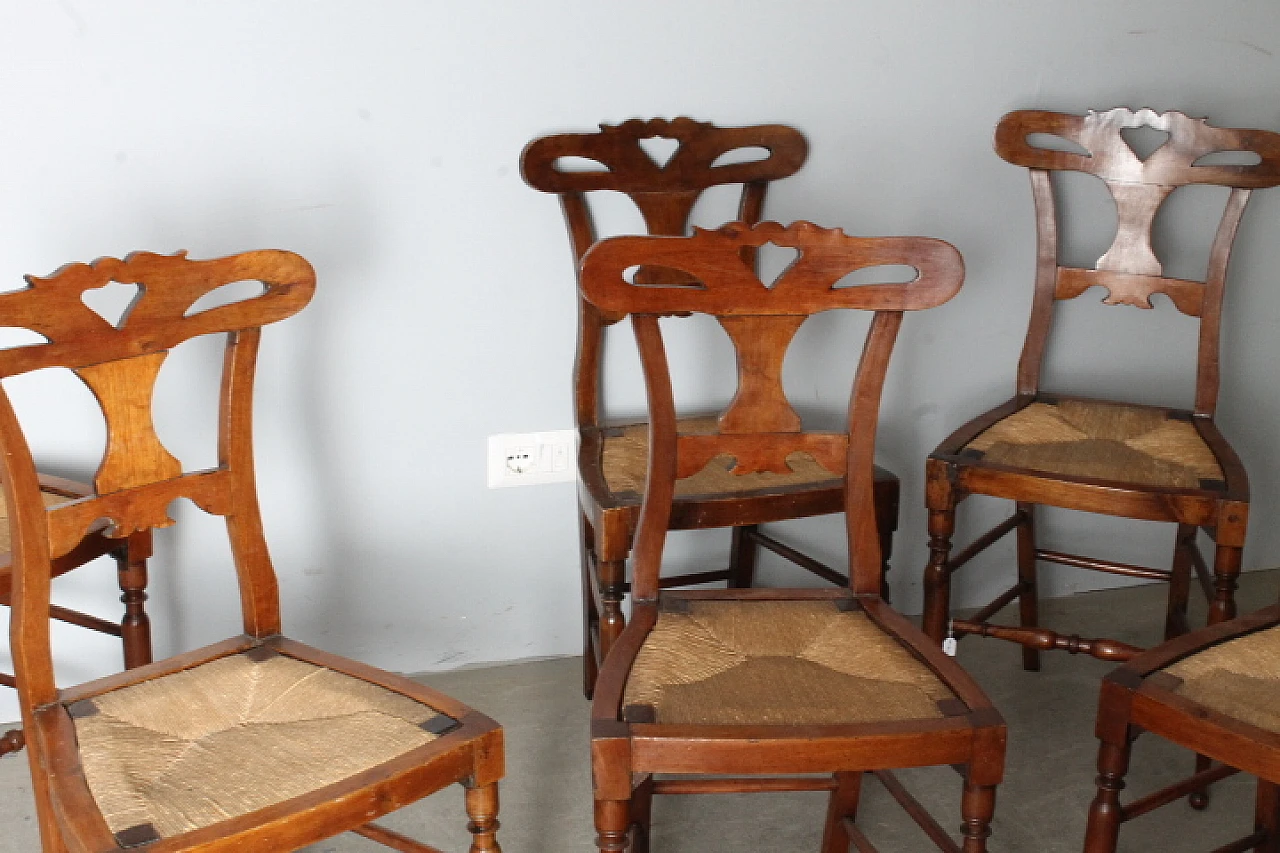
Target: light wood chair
(1215, 691)
(716, 691)
(130, 554)
(612, 458)
(254, 743)
(1101, 456)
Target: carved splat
(691, 165)
(119, 362)
(761, 320)
(1194, 152)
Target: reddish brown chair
(612, 458)
(130, 554)
(254, 743)
(745, 689)
(1141, 462)
(1215, 691)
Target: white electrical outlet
(532, 458)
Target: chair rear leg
(482, 809)
(977, 807)
(842, 806)
(1267, 816)
(590, 616)
(937, 576)
(50, 835)
(1029, 591)
(135, 627)
(1175, 622)
(641, 816)
(887, 498)
(742, 557)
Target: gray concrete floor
(546, 799)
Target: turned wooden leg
(886, 524)
(641, 816)
(842, 805)
(1226, 569)
(1106, 813)
(612, 819)
(590, 617)
(482, 808)
(1199, 798)
(742, 558)
(937, 577)
(977, 807)
(1029, 593)
(1175, 621)
(135, 627)
(613, 574)
(1267, 816)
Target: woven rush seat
(1101, 440)
(1239, 678)
(237, 734)
(625, 462)
(775, 663)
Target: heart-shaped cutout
(660, 149)
(1144, 140)
(773, 261)
(113, 301)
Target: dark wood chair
(130, 554)
(612, 457)
(1118, 459)
(1215, 691)
(716, 691)
(254, 743)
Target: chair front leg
(1267, 816)
(1106, 813)
(742, 558)
(482, 809)
(613, 818)
(937, 575)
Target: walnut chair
(1215, 691)
(130, 554)
(729, 690)
(1112, 458)
(254, 743)
(612, 458)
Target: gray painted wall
(379, 139)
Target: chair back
(1129, 269)
(664, 193)
(138, 477)
(760, 429)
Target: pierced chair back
(1129, 269)
(138, 477)
(760, 429)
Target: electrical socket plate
(532, 458)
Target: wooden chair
(755, 686)
(130, 554)
(254, 743)
(1140, 462)
(612, 458)
(1215, 691)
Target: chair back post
(138, 478)
(760, 430)
(665, 195)
(1129, 269)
